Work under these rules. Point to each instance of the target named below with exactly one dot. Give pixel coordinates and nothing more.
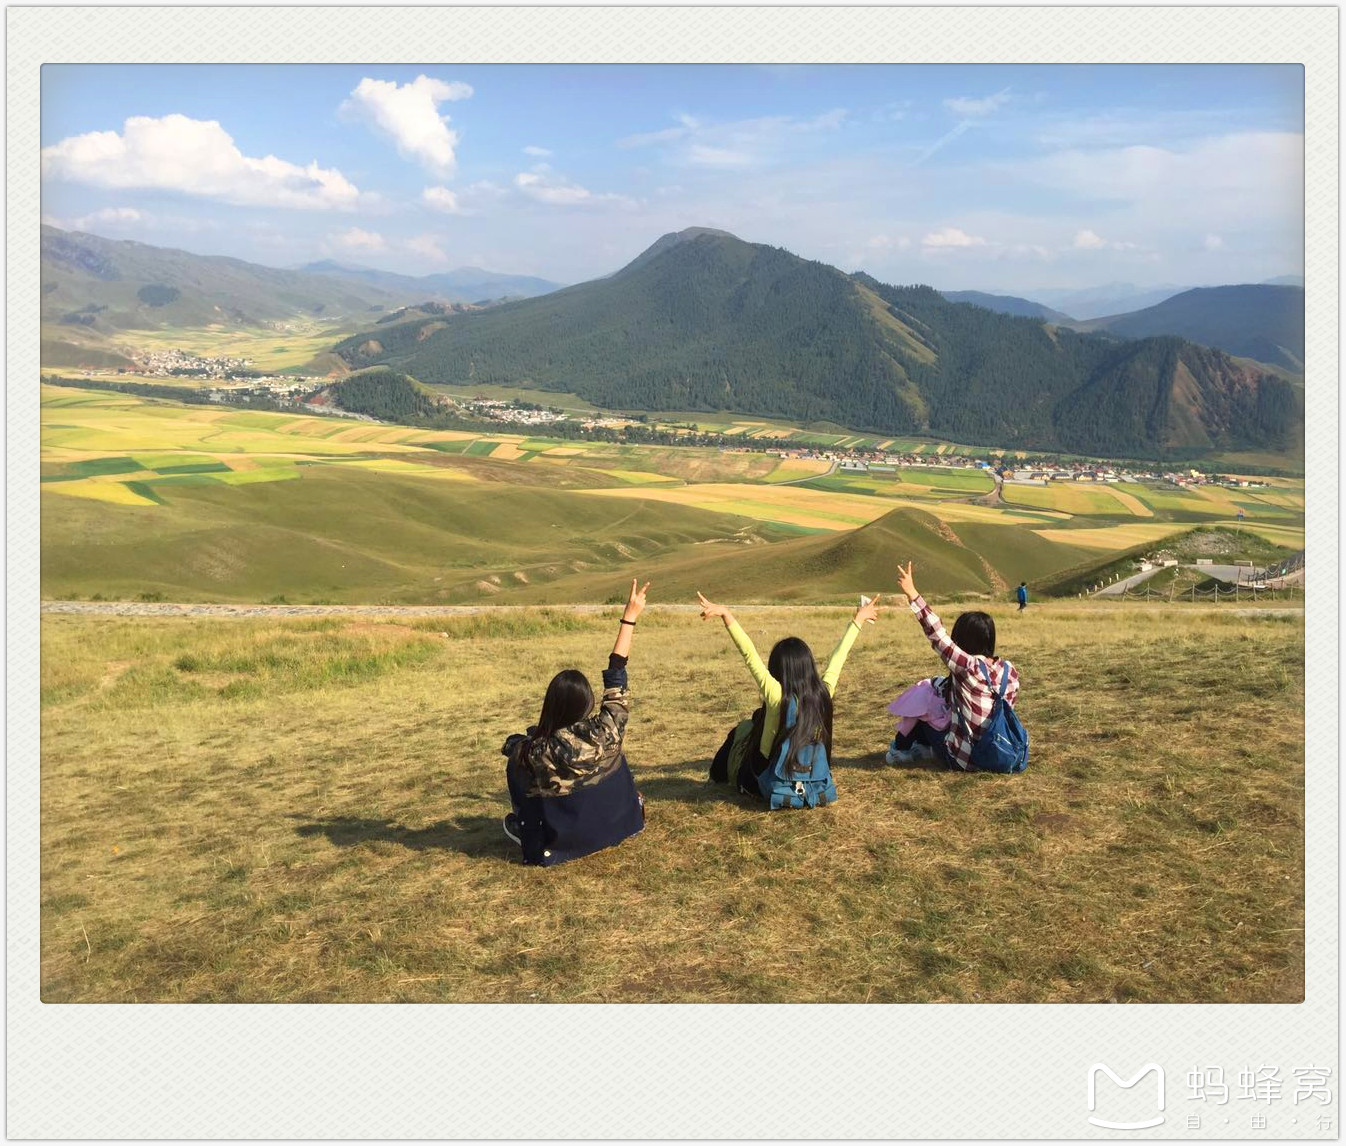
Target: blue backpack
(1003, 744)
(808, 784)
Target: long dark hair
(569, 699)
(791, 663)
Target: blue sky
(982, 177)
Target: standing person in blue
(1022, 594)
(790, 767)
(572, 791)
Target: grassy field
(151, 498)
(301, 810)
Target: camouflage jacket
(583, 753)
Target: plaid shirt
(973, 702)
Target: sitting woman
(790, 766)
(948, 731)
(572, 791)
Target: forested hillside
(705, 321)
(1261, 321)
(1007, 304)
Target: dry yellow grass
(309, 811)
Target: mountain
(1007, 304)
(705, 321)
(94, 288)
(1285, 280)
(1260, 321)
(465, 284)
(1110, 298)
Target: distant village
(306, 393)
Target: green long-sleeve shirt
(770, 686)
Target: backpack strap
(1004, 679)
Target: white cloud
(887, 242)
(442, 199)
(538, 152)
(1088, 241)
(195, 157)
(427, 247)
(643, 138)
(543, 186)
(969, 108)
(109, 217)
(355, 239)
(409, 115)
(1214, 243)
(947, 138)
(699, 155)
(949, 237)
(828, 121)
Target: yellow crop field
(1137, 507)
(792, 469)
(115, 492)
(1072, 497)
(638, 477)
(1112, 537)
(812, 509)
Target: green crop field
(309, 811)
(151, 498)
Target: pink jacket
(922, 701)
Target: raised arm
(766, 683)
(635, 605)
(949, 653)
(832, 673)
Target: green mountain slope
(1174, 395)
(705, 321)
(1262, 321)
(94, 288)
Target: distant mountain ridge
(704, 321)
(464, 284)
(1007, 304)
(94, 289)
(1258, 320)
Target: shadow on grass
(876, 762)
(470, 835)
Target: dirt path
(165, 609)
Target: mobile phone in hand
(863, 602)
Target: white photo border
(478, 1071)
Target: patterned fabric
(582, 754)
(973, 701)
(924, 700)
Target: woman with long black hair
(569, 782)
(790, 764)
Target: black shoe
(511, 826)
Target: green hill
(94, 288)
(705, 321)
(1261, 321)
(818, 568)
(344, 534)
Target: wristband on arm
(624, 621)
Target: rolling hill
(1262, 321)
(1007, 304)
(94, 288)
(705, 321)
